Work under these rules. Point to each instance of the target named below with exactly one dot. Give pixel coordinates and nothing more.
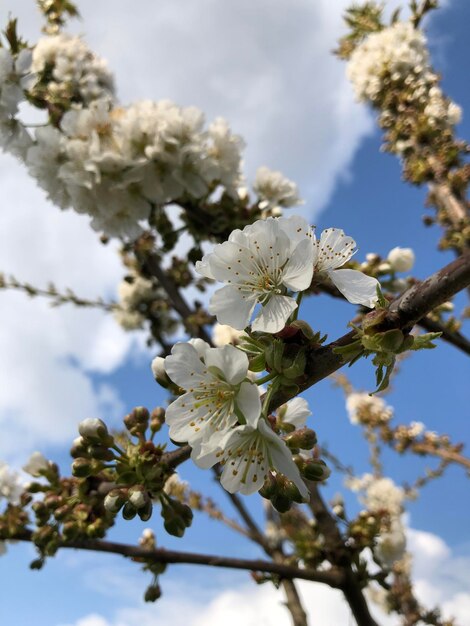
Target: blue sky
(297, 114)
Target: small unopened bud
(281, 503)
(302, 439)
(157, 419)
(145, 513)
(129, 511)
(138, 496)
(159, 373)
(82, 468)
(152, 593)
(101, 453)
(137, 420)
(315, 470)
(79, 448)
(114, 500)
(401, 259)
(94, 429)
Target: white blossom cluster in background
(219, 415)
(381, 495)
(115, 163)
(134, 294)
(269, 260)
(11, 488)
(77, 73)
(397, 56)
(365, 409)
(275, 191)
(14, 79)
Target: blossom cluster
(136, 293)
(368, 410)
(267, 261)
(219, 415)
(381, 496)
(73, 73)
(398, 56)
(117, 164)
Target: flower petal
(244, 469)
(297, 411)
(206, 454)
(184, 367)
(186, 420)
(249, 402)
(298, 272)
(334, 249)
(281, 458)
(232, 362)
(356, 287)
(232, 307)
(273, 316)
(296, 228)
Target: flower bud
(157, 419)
(152, 593)
(129, 512)
(302, 439)
(401, 259)
(137, 420)
(159, 373)
(100, 453)
(82, 468)
(114, 500)
(138, 496)
(79, 448)
(145, 513)
(315, 470)
(94, 429)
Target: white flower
(295, 412)
(274, 189)
(248, 453)
(401, 259)
(36, 464)
(259, 264)
(391, 544)
(223, 335)
(332, 251)
(363, 408)
(11, 486)
(216, 393)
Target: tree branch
(161, 555)
(404, 313)
(339, 556)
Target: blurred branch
(57, 298)
(339, 556)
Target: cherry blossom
(259, 264)
(217, 393)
